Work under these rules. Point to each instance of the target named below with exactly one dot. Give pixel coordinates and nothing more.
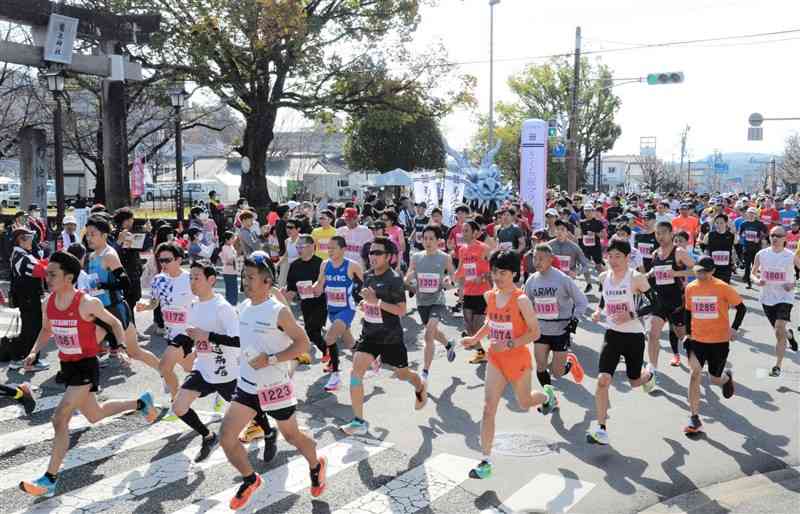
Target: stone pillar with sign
(33, 168)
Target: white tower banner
(533, 168)
(452, 196)
(425, 189)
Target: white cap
(292, 204)
(551, 212)
(70, 220)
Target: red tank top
(74, 336)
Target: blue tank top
(338, 287)
(99, 274)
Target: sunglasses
(165, 261)
(778, 236)
(300, 247)
(377, 252)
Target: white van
(196, 191)
(8, 187)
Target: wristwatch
(272, 359)
(510, 344)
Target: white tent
(396, 177)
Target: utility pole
(492, 3)
(572, 154)
(684, 136)
(689, 176)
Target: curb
(727, 496)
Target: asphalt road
(418, 461)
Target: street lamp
(55, 83)
(178, 98)
(492, 3)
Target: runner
(558, 303)
(355, 235)
(69, 317)
(708, 300)
(384, 302)
(473, 274)
(511, 326)
(109, 282)
(337, 278)
(270, 339)
(213, 325)
(420, 222)
(646, 241)
(567, 254)
(172, 291)
(590, 232)
(773, 270)
(21, 394)
(719, 246)
(323, 233)
(624, 335)
(508, 235)
(752, 233)
(670, 265)
(428, 269)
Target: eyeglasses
(300, 247)
(377, 253)
(165, 261)
(778, 235)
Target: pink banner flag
(137, 178)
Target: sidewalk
(776, 492)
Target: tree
(543, 91)
(657, 175)
(318, 57)
(382, 140)
(790, 169)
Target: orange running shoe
(676, 361)
(251, 433)
(245, 493)
(576, 369)
(318, 480)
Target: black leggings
(749, 256)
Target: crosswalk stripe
(415, 489)
(293, 477)
(85, 453)
(547, 493)
(42, 404)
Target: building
(621, 173)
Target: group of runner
(648, 269)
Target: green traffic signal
(674, 77)
(552, 132)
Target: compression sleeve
(647, 309)
(688, 320)
(223, 340)
(121, 281)
(602, 298)
(740, 312)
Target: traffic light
(672, 77)
(552, 128)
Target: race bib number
(337, 296)
(470, 271)
(774, 276)
(786, 221)
(500, 331)
(428, 282)
(563, 262)
(174, 317)
(751, 236)
(418, 237)
(372, 313)
(791, 245)
(663, 275)
(94, 281)
(588, 240)
(646, 249)
(721, 258)
(766, 219)
(322, 245)
(506, 245)
(614, 307)
(305, 289)
(203, 347)
(273, 395)
(67, 340)
(459, 239)
(546, 308)
(705, 307)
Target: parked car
(12, 197)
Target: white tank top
(259, 333)
(619, 297)
(215, 362)
(777, 268)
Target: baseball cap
(551, 212)
(752, 210)
(21, 232)
(422, 204)
(704, 264)
(350, 213)
(70, 220)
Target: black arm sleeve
(121, 280)
(223, 340)
(740, 312)
(602, 298)
(688, 320)
(644, 310)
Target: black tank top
(647, 246)
(667, 287)
(720, 248)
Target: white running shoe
(333, 382)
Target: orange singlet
(507, 323)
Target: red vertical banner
(137, 178)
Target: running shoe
(728, 387)
(219, 404)
(694, 426)
(209, 445)
(251, 433)
(303, 358)
(148, 409)
(40, 365)
(245, 493)
(42, 486)
(451, 351)
(328, 368)
(552, 401)
(587, 288)
(791, 339)
(421, 397)
(28, 401)
(121, 358)
(326, 357)
(170, 417)
(676, 361)
(270, 445)
(333, 382)
(479, 357)
(355, 427)
(16, 364)
(576, 369)
(482, 470)
(775, 371)
(597, 436)
(318, 479)
(649, 386)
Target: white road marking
(547, 493)
(293, 477)
(415, 489)
(42, 404)
(43, 432)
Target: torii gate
(111, 30)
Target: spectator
(27, 287)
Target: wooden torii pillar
(108, 31)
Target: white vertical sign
(533, 168)
(452, 196)
(61, 32)
(425, 189)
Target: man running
(270, 340)
(69, 317)
(557, 302)
(567, 255)
(708, 300)
(624, 335)
(473, 272)
(355, 235)
(323, 233)
(671, 265)
(511, 325)
(719, 246)
(337, 278)
(590, 232)
(431, 269)
(384, 302)
(646, 241)
(213, 326)
(773, 271)
(751, 235)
